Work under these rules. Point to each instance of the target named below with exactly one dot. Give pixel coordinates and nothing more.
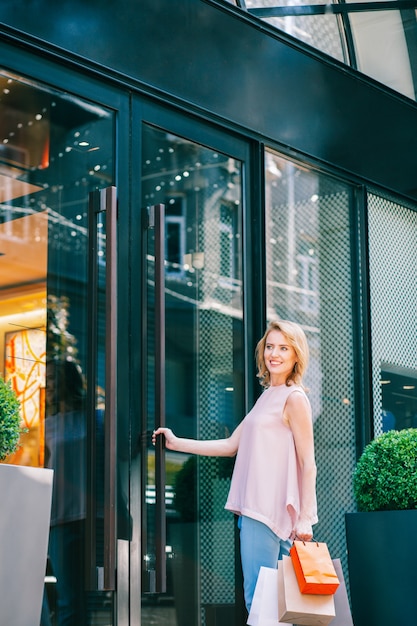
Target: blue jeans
(259, 547)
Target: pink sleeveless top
(266, 481)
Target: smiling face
(280, 357)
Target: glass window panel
(320, 31)
(384, 42)
(381, 49)
(309, 281)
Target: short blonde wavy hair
(297, 340)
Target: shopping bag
(341, 600)
(295, 607)
(264, 607)
(314, 567)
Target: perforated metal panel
(393, 289)
(309, 281)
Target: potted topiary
(26, 494)
(10, 428)
(382, 551)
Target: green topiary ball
(10, 428)
(385, 478)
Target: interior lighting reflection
(50, 579)
(273, 168)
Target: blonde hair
(296, 339)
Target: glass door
(193, 371)
(57, 223)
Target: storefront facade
(173, 175)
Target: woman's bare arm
(209, 447)
(298, 413)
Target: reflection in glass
(66, 453)
(398, 397)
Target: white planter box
(25, 495)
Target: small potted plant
(10, 428)
(382, 551)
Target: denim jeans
(259, 547)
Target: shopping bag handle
(312, 540)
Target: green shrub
(385, 477)
(10, 428)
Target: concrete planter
(25, 494)
(382, 557)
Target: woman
(273, 487)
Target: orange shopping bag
(314, 568)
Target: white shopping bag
(264, 608)
(341, 600)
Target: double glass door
(192, 197)
(58, 333)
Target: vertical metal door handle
(160, 522)
(108, 201)
(102, 201)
